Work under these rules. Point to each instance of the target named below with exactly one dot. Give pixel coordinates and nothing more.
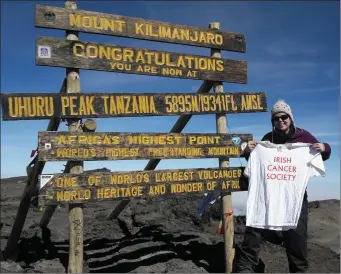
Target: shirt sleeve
(317, 166)
(247, 170)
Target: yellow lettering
(128, 55)
(73, 105)
(65, 104)
(210, 38)
(202, 38)
(186, 187)
(75, 20)
(106, 24)
(157, 190)
(165, 32)
(60, 195)
(30, 106)
(13, 107)
(246, 102)
(94, 180)
(121, 23)
(78, 49)
(105, 103)
(86, 22)
(140, 57)
(235, 185)
(92, 51)
(72, 195)
(40, 107)
(138, 28)
(175, 34)
(169, 61)
(218, 39)
(172, 71)
(89, 108)
(184, 33)
(116, 54)
(259, 104)
(104, 52)
(75, 152)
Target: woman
(295, 240)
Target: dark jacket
(297, 135)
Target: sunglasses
(282, 117)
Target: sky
(292, 53)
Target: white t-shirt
(278, 176)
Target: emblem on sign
(236, 140)
(243, 146)
(44, 52)
(50, 15)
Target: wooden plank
(57, 52)
(67, 146)
(100, 186)
(117, 25)
(36, 106)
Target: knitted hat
(282, 106)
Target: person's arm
(327, 149)
(247, 150)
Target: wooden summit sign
(33, 106)
(116, 25)
(95, 186)
(57, 52)
(96, 146)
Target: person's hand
(319, 147)
(251, 145)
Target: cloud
(281, 71)
(289, 47)
(294, 77)
(329, 122)
(333, 71)
(248, 128)
(334, 143)
(324, 134)
(314, 90)
(8, 147)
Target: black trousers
(295, 243)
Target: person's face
(282, 121)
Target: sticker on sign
(44, 51)
(44, 179)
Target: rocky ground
(158, 235)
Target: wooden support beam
(76, 218)
(226, 197)
(152, 164)
(89, 125)
(34, 169)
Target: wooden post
(34, 169)
(226, 197)
(152, 164)
(76, 167)
(88, 126)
